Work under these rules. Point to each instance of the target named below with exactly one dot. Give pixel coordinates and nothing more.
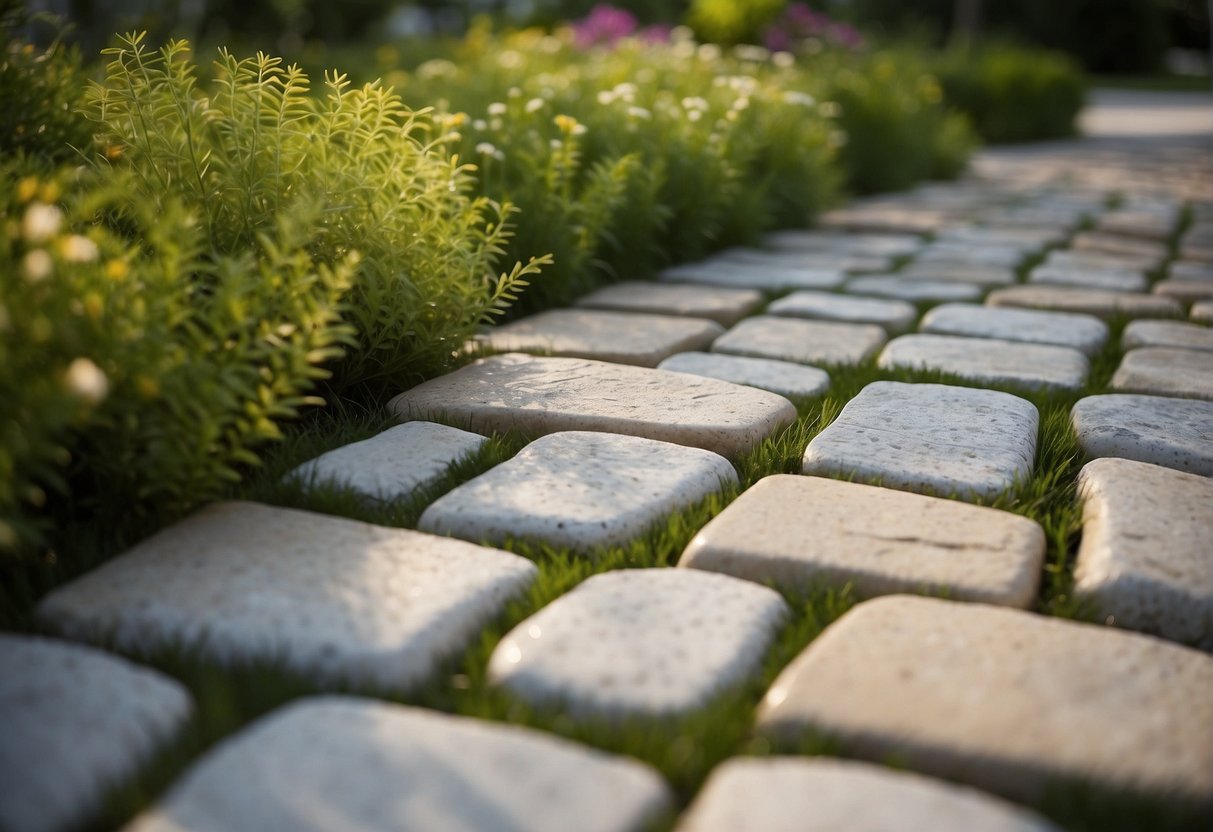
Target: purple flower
(605, 24)
(776, 39)
(656, 33)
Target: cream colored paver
(1186, 291)
(1101, 304)
(1109, 279)
(842, 261)
(786, 378)
(989, 361)
(332, 764)
(334, 599)
(741, 275)
(1084, 333)
(649, 642)
(1202, 311)
(1150, 225)
(1005, 700)
(723, 305)
(544, 395)
(1175, 334)
(914, 290)
(77, 723)
(1087, 259)
(1163, 371)
(1119, 244)
(578, 489)
(1177, 433)
(894, 315)
(887, 245)
(794, 532)
(808, 342)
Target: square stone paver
(1006, 700)
(640, 642)
(989, 361)
(579, 489)
(1163, 371)
(929, 437)
(914, 290)
(943, 272)
(1097, 302)
(1186, 291)
(1084, 333)
(621, 337)
(77, 722)
(894, 315)
(791, 794)
(334, 599)
(545, 395)
(722, 305)
(1177, 433)
(332, 764)
(888, 245)
(394, 463)
(1175, 334)
(783, 377)
(1146, 558)
(793, 532)
(1110, 279)
(808, 342)
(741, 275)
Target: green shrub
(732, 21)
(40, 90)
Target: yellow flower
(116, 270)
(26, 188)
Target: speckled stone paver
(1177, 433)
(723, 305)
(579, 489)
(1164, 371)
(650, 642)
(944, 272)
(1167, 334)
(327, 597)
(1084, 333)
(790, 794)
(893, 315)
(783, 377)
(624, 338)
(1006, 700)
(929, 437)
(807, 342)
(1186, 291)
(989, 361)
(741, 275)
(543, 395)
(1146, 558)
(1097, 302)
(894, 245)
(76, 723)
(395, 463)
(332, 764)
(914, 290)
(794, 532)
(1110, 279)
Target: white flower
(694, 103)
(37, 265)
(486, 149)
(784, 60)
(801, 98)
(514, 92)
(534, 105)
(755, 54)
(41, 222)
(510, 59)
(709, 52)
(606, 98)
(639, 112)
(480, 124)
(497, 108)
(77, 249)
(86, 380)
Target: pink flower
(605, 24)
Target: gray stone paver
(1177, 433)
(1149, 250)
(1085, 333)
(330, 764)
(1190, 270)
(943, 272)
(1087, 259)
(1098, 302)
(989, 361)
(330, 598)
(853, 262)
(793, 532)
(987, 235)
(723, 305)
(894, 315)
(544, 395)
(1164, 371)
(579, 489)
(1175, 334)
(929, 437)
(1186, 291)
(649, 642)
(77, 722)
(1110, 279)
(785, 378)
(789, 794)
(807, 342)
(914, 290)
(886, 245)
(741, 275)
(1149, 225)
(1003, 699)
(1146, 558)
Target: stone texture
(76, 723)
(394, 463)
(1027, 238)
(330, 598)
(723, 305)
(789, 794)
(741, 275)
(1177, 433)
(1146, 558)
(1101, 304)
(990, 361)
(1070, 259)
(783, 377)
(1150, 225)
(1008, 256)
(1202, 311)
(808, 342)
(578, 489)
(330, 764)
(945, 272)
(887, 245)
(1190, 270)
(1081, 332)
(1119, 244)
(1165, 372)
(649, 642)
(640, 339)
(1109, 279)
(1167, 334)
(893, 315)
(929, 437)
(914, 290)
(1003, 699)
(1187, 291)
(793, 532)
(544, 395)
(842, 261)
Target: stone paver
(887, 245)
(783, 377)
(651, 642)
(544, 395)
(578, 489)
(943, 272)
(1150, 225)
(1190, 270)
(1155, 252)
(1109, 279)
(979, 235)
(914, 290)
(808, 342)
(621, 337)
(1069, 259)
(1177, 433)
(789, 794)
(76, 723)
(330, 598)
(1146, 558)
(793, 532)
(1167, 334)
(1097, 302)
(929, 437)
(1164, 371)
(1008, 256)
(1084, 333)
(330, 764)
(394, 463)
(1202, 311)
(1003, 699)
(989, 361)
(894, 315)
(742, 275)
(1186, 291)
(842, 261)
(722, 305)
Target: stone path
(1066, 290)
